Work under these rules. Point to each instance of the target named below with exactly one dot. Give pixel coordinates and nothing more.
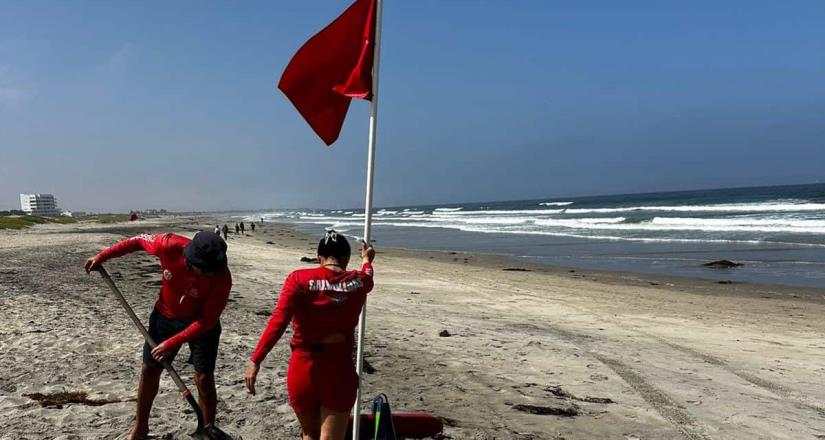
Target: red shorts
(325, 379)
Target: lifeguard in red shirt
(323, 304)
(195, 285)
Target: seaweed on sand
(57, 400)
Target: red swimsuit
(320, 302)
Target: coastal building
(39, 204)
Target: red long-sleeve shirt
(184, 295)
(319, 302)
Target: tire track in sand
(656, 398)
(760, 382)
(753, 379)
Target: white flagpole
(362, 321)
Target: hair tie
(330, 235)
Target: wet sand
(538, 353)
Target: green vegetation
(24, 221)
(9, 220)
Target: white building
(39, 204)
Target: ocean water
(778, 233)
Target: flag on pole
(335, 65)
(331, 68)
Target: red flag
(331, 68)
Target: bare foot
(138, 433)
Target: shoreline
(524, 355)
(297, 238)
(678, 283)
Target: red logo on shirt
(336, 292)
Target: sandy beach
(531, 353)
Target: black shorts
(204, 349)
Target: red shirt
(319, 302)
(184, 295)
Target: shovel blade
(210, 433)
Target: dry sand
(538, 354)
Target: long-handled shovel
(200, 432)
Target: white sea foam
(533, 223)
(792, 221)
(738, 225)
(638, 239)
(739, 207)
(501, 212)
(555, 226)
(581, 222)
(492, 229)
(696, 224)
(740, 221)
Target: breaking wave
(783, 219)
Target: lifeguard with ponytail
(323, 304)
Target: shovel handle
(127, 307)
(184, 390)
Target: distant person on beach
(262, 221)
(242, 229)
(194, 291)
(237, 229)
(323, 304)
(217, 230)
(225, 232)
(252, 225)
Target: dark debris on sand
(564, 411)
(722, 264)
(559, 392)
(57, 400)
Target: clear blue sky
(119, 105)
